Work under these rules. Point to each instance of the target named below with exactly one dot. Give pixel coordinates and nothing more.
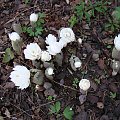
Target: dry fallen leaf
(82, 116)
(9, 85)
(7, 113)
(101, 64)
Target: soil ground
(31, 104)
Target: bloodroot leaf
(8, 55)
(68, 113)
(59, 58)
(38, 78)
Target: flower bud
(33, 17)
(14, 36)
(49, 71)
(45, 56)
(84, 84)
(16, 42)
(77, 64)
(79, 40)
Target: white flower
(62, 42)
(50, 71)
(45, 56)
(14, 36)
(32, 51)
(50, 39)
(33, 17)
(79, 40)
(117, 42)
(20, 76)
(77, 64)
(54, 48)
(84, 84)
(67, 34)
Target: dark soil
(31, 104)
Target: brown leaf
(113, 87)
(104, 117)
(92, 99)
(81, 116)
(101, 64)
(7, 113)
(93, 85)
(49, 92)
(9, 85)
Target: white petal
(50, 39)
(117, 42)
(20, 76)
(33, 17)
(67, 34)
(14, 36)
(32, 51)
(84, 84)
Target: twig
(11, 20)
(88, 60)
(2, 52)
(66, 86)
(24, 111)
(21, 110)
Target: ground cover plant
(60, 60)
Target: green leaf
(98, 9)
(87, 16)
(68, 113)
(117, 13)
(52, 109)
(41, 15)
(24, 29)
(113, 95)
(57, 106)
(72, 21)
(38, 31)
(8, 55)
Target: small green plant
(111, 25)
(27, 1)
(97, 81)
(55, 109)
(72, 21)
(50, 98)
(113, 95)
(116, 14)
(9, 55)
(87, 11)
(38, 26)
(68, 113)
(75, 82)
